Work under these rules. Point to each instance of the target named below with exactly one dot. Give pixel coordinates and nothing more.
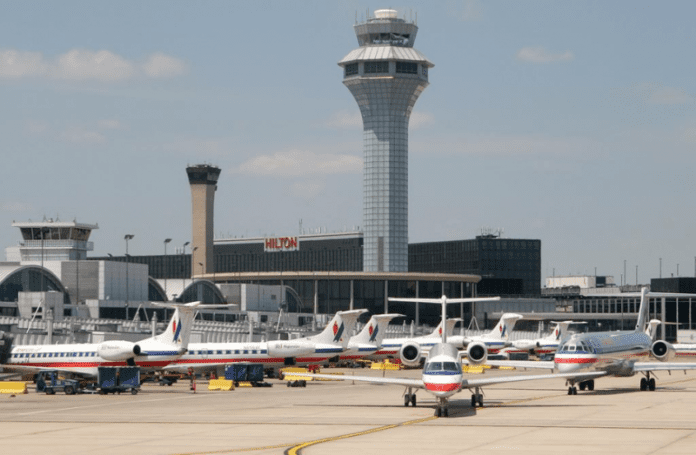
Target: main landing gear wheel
(477, 398)
(413, 400)
(572, 390)
(651, 384)
(643, 384)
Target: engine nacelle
(118, 350)
(525, 345)
(663, 351)
(476, 353)
(410, 354)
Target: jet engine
(526, 345)
(117, 350)
(476, 353)
(662, 351)
(410, 354)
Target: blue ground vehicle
(51, 382)
(118, 379)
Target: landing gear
(442, 410)
(647, 383)
(477, 398)
(572, 390)
(587, 384)
(410, 398)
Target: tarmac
(345, 418)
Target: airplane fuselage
(613, 352)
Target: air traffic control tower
(386, 75)
(203, 179)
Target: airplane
(442, 372)
(605, 354)
(412, 349)
(84, 359)
(329, 344)
(369, 340)
(495, 340)
(540, 346)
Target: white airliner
(411, 350)
(369, 340)
(493, 341)
(85, 359)
(604, 354)
(540, 346)
(330, 343)
(442, 373)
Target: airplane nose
(567, 367)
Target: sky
(569, 122)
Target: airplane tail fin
(375, 329)
(340, 329)
(451, 322)
(560, 332)
(652, 328)
(502, 330)
(178, 331)
(641, 324)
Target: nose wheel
(442, 410)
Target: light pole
(127, 238)
(193, 258)
(166, 297)
(183, 271)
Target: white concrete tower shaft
(386, 76)
(203, 180)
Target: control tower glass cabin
(386, 75)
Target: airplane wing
(405, 382)
(531, 364)
(481, 382)
(19, 368)
(639, 367)
(466, 383)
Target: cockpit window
(433, 366)
(450, 366)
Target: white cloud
(159, 65)
(541, 55)
(82, 64)
(421, 120)
(300, 163)
(670, 95)
(81, 136)
(110, 124)
(15, 64)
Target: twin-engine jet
(442, 372)
(329, 344)
(603, 354)
(541, 346)
(85, 359)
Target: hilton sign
(281, 244)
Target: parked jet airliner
(442, 373)
(85, 359)
(213, 357)
(603, 354)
